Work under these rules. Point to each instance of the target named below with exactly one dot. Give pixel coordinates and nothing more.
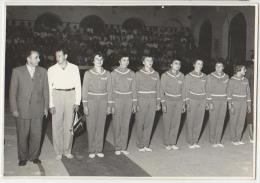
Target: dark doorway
(133, 23)
(205, 40)
(47, 21)
(94, 22)
(237, 39)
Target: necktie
(33, 70)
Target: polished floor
(205, 162)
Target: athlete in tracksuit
(97, 102)
(173, 103)
(124, 96)
(216, 89)
(239, 103)
(195, 96)
(148, 96)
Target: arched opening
(94, 22)
(205, 39)
(47, 21)
(237, 39)
(133, 23)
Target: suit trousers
(29, 136)
(62, 121)
(96, 120)
(171, 122)
(195, 118)
(237, 120)
(121, 120)
(145, 120)
(216, 120)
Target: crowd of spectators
(163, 43)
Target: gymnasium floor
(206, 162)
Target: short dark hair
(62, 48)
(238, 68)
(219, 62)
(143, 57)
(195, 61)
(99, 54)
(29, 51)
(122, 54)
(175, 59)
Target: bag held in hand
(78, 125)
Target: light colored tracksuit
(195, 96)
(216, 89)
(239, 97)
(124, 96)
(97, 96)
(172, 96)
(148, 96)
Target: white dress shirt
(64, 79)
(31, 70)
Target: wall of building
(152, 16)
(220, 18)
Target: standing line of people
(121, 93)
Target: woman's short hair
(99, 54)
(195, 61)
(238, 68)
(145, 56)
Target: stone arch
(226, 46)
(47, 20)
(133, 23)
(205, 39)
(94, 22)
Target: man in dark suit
(29, 100)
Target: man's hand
(183, 108)
(75, 107)
(137, 108)
(113, 110)
(45, 113)
(188, 107)
(109, 110)
(158, 107)
(231, 108)
(52, 110)
(86, 110)
(249, 110)
(207, 106)
(15, 114)
(164, 108)
(134, 109)
(211, 106)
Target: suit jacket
(29, 96)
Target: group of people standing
(122, 92)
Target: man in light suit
(29, 100)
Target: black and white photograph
(130, 90)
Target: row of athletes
(123, 92)
(33, 91)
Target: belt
(94, 93)
(238, 95)
(123, 93)
(69, 89)
(146, 92)
(171, 95)
(218, 95)
(193, 93)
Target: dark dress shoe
(36, 161)
(22, 163)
